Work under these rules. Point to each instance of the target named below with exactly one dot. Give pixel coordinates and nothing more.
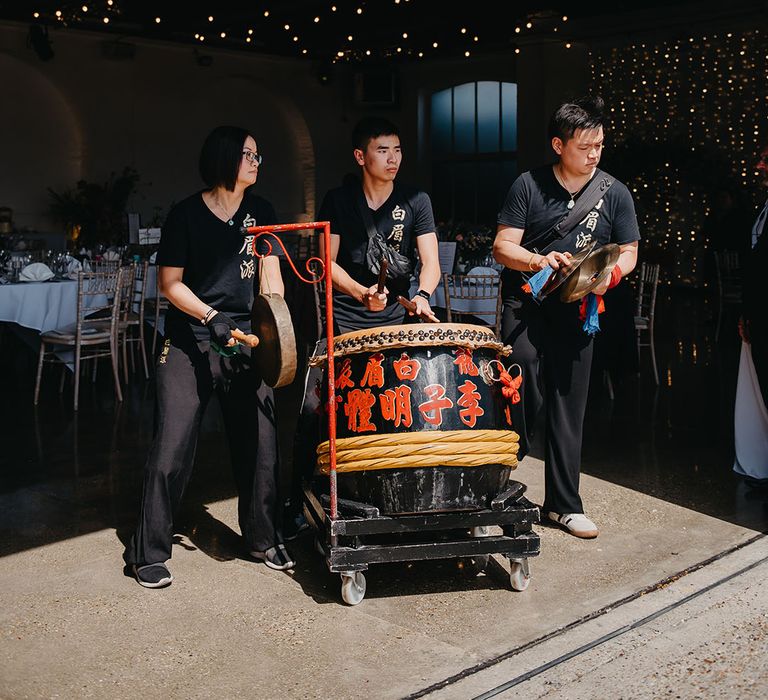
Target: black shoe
(152, 575)
(294, 527)
(276, 557)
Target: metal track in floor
(488, 663)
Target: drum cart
(351, 534)
(361, 536)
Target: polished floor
(63, 473)
(675, 441)
(657, 479)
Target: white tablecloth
(43, 306)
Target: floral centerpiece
(474, 243)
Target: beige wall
(82, 115)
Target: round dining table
(42, 306)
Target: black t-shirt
(406, 215)
(536, 202)
(218, 260)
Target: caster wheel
(518, 579)
(353, 588)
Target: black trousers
(555, 356)
(188, 372)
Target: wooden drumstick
(383, 264)
(410, 306)
(407, 303)
(245, 338)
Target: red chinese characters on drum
(420, 389)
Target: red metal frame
(327, 266)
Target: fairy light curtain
(687, 119)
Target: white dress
(750, 421)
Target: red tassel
(510, 387)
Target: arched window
(474, 150)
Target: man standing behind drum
(400, 214)
(361, 209)
(549, 342)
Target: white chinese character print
(398, 214)
(249, 221)
(247, 268)
(249, 246)
(583, 240)
(591, 220)
(397, 233)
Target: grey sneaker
(276, 557)
(152, 575)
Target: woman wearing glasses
(210, 272)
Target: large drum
(423, 417)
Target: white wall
(82, 115)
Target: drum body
(423, 422)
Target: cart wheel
(518, 578)
(353, 587)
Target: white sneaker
(577, 524)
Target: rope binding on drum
(427, 448)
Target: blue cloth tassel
(592, 321)
(537, 281)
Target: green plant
(98, 209)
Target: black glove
(220, 326)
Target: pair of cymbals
(586, 271)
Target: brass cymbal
(590, 273)
(564, 272)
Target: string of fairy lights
(687, 119)
(340, 30)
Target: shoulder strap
(591, 196)
(365, 213)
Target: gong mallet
(245, 338)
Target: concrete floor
(656, 479)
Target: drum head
(414, 335)
(276, 351)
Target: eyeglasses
(252, 157)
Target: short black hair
(221, 155)
(369, 128)
(584, 113)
